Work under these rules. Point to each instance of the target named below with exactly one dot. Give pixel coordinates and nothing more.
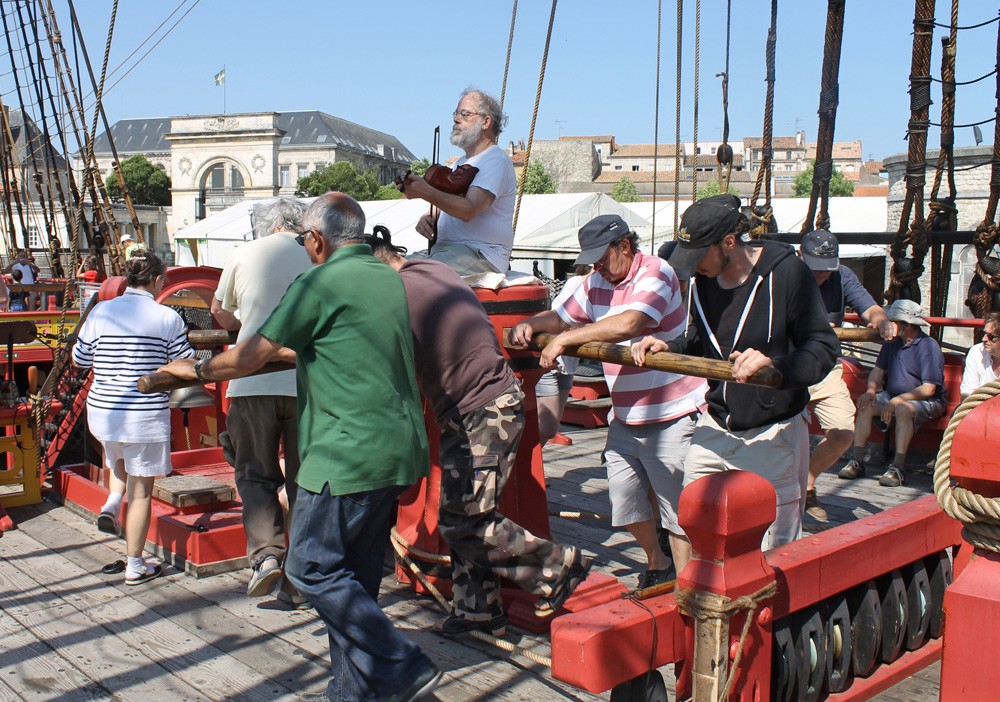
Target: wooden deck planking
(231, 646)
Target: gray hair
(490, 107)
(338, 217)
(284, 213)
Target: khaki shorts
(778, 452)
(830, 401)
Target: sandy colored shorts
(830, 401)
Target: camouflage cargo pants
(477, 456)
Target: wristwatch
(197, 369)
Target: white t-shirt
(978, 370)
(123, 339)
(27, 274)
(253, 282)
(491, 233)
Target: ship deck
(69, 632)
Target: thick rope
(677, 120)
(534, 115)
(828, 101)
(724, 154)
(980, 516)
(761, 215)
(944, 213)
(656, 127)
(510, 45)
(980, 300)
(905, 270)
(697, 72)
(705, 606)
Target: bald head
(338, 217)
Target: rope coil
(979, 515)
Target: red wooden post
(725, 516)
(972, 602)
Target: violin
(453, 182)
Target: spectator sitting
(982, 365)
(18, 297)
(87, 272)
(907, 384)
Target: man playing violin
(474, 230)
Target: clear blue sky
(399, 66)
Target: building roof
(598, 139)
(305, 128)
(30, 144)
(612, 176)
(644, 150)
(872, 167)
(776, 143)
(871, 191)
(709, 160)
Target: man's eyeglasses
(990, 337)
(465, 115)
(301, 238)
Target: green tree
(712, 188)
(420, 166)
(839, 185)
(537, 180)
(146, 183)
(625, 191)
(387, 192)
(342, 176)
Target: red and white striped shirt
(639, 395)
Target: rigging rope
(534, 113)
(656, 128)
(677, 114)
(761, 217)
(906, 271)
(944, 212)
(697, 71)
(724, 154)
(510, 45)
(829, 98)
(984, 290)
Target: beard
(465, 136)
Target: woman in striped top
(122, 340)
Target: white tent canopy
(546, 229)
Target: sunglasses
(990, 337)
(301, 238)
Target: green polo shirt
(361, 424)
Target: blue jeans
(335, 560)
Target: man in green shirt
(345, 322)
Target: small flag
(977, 134)
(220, 77)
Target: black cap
(704, 223)
(820, 250)
(665, 251)
(597, 234)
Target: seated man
(906, 384)
(982, 365)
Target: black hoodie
(784, 319)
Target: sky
(400, 66)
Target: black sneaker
(420, 687)
(577, 573)
(455, 624)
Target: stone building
(215, 161)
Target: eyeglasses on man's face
(466, 115)
(301, 238)
(990, 336)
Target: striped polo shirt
(123, 339)
(638, 395)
